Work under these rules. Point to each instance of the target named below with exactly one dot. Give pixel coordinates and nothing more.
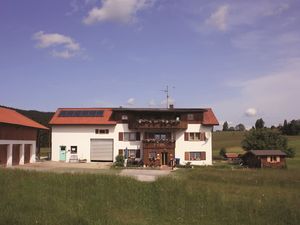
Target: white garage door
(101, 150)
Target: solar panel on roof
(81, 113)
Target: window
(274, 159)
(101, 131)
(124, 117)
(190, 116)
(130, 136)
(152, 155)
(131, 153)
(195, 136)
(160, 136)
(194, 156)
(73, 149)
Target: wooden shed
(265, 159)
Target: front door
(62, 154)
(164, 158)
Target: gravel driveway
(144, 175)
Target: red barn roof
(10, 116)
(103, 119)
(231, 155)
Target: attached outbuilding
(265, 159)
(18, 138)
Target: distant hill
(40, 117)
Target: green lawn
(221, 194)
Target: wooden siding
(158, 145)
(158, 156)
(27, 153)
(13, 132)
(266, 164)
(3, 155)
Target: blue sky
(242, 58)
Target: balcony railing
(158, 144)
(158, 124)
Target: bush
(119, 161)
(223, 152)
(187, 165)
(290, 153)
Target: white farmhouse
(150, 136)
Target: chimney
(171, 106)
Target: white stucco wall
(22, 144)
(80, 136)
(183, 146)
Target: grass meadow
(221, 194)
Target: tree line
(288, 128)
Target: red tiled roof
(209, 118)
(10, 116)
(99, 120)
(232, 155)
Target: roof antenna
(168, 96)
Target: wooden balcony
(157, 124)
(154, 144)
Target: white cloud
(124, 11)
(130, 101)
(62, 46)
(219, 18)
(65, 54)
(239, 13)
(273, 94)
(250, 112)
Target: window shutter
(186, 156)
(138, 136)
(202, 136)
(121, 136)
(120, 151)
(186, 136)
(202, 155)
(138, 153)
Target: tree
(225, 126)
(291, 128)
(285, 127)
(223, 152)
(240, 127)
(231, 129)
(259, 124)
(263, 139)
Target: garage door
(101, 150)
(3, 155)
